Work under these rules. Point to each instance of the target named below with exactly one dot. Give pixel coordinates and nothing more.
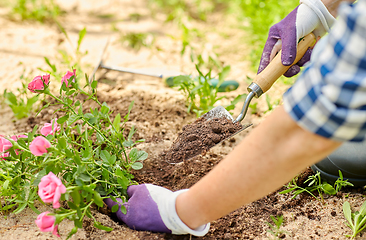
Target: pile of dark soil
(198, 137)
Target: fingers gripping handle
(275, 69)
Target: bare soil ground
(159, 113)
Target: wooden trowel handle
(275, 68)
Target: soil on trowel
(198, 137)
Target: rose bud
(46, 223)
(47, 128)
(67, 76)
(39, 83)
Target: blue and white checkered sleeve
(329, 98)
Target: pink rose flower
(39, 146)
(47, 223)
(47, 128)
(37, 83)
(67, 76)
(4, 146)
(50, 189)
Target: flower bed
(81, 158)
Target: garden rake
(168, 76)
(261, 84)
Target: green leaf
(81, 36)
(76, 196)
(141, 155)
(123, 209)
(88, 115)
(287, 191)
(53, 67)
(117, 122)
(137, 165)
(72, 232)
(11, 98)
(100, 138)
(328, 189)
(72, 205)
(133, 154)
(115, 208)
(78, 223)
(112, 160)
(94, 84)
(77, 159)
(101, 227)
(63, 119)
(363, 209)
(97, 199)
(62, 142)
(104, 155)
(122, 180)
(5, 185)
(129, 111)
(79, 128)
(20, 208)
(104, 109)
(93, 120)
(73, 118)
(224, 73)
(79, 182)
(347, 212)
(84, 177)
(39, 176)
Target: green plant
(357, 220)
(271, 105)
(20, 102)
(253, 108)
(237, 99)
(200, 95)
(340, 182)
(87, 150)
(138, 40)
(196, 9)
(315, 183)
(275, 230)
(36, 10)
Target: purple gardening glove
(309, 16)
(152, 208)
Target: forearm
(267, 158)
(332, 5)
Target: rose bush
(80, 159)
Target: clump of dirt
(198, 137)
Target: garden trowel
(261, 84)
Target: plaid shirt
(329, 98)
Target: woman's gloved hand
(309, 16)
(152, 208)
